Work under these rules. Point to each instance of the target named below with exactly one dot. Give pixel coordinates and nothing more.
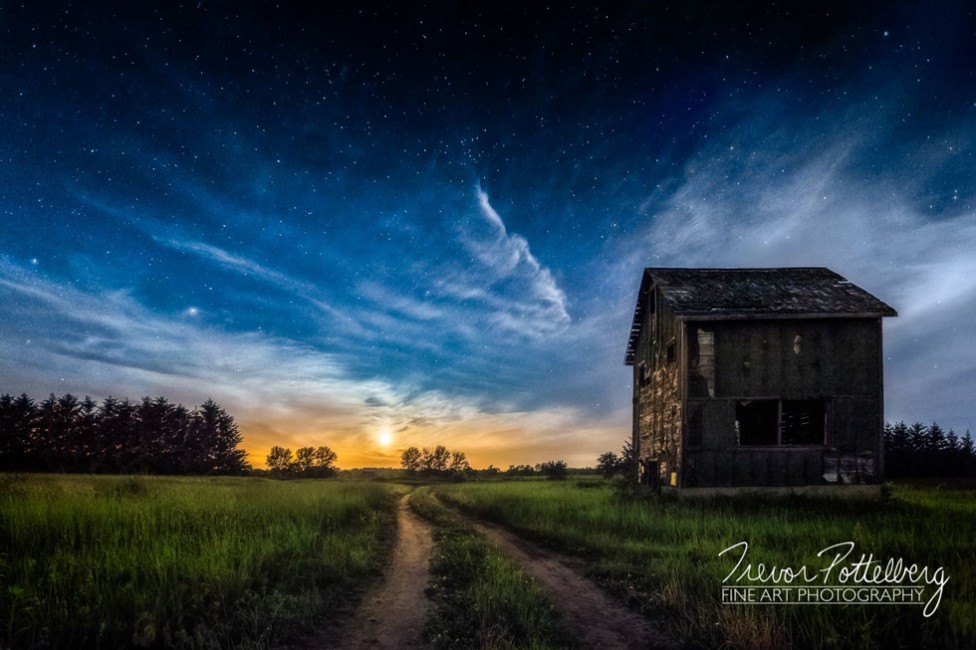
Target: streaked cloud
(744, 201)
(522, 295)
(281, 391)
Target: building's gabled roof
(736, 294)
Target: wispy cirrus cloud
(521, 294)
(250, 269)
(281, 391)
(236, 263)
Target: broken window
(757, 422)
(802, 422)
(701, 364)
(776, 422)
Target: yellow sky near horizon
(486, 439)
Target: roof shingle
(731, 294)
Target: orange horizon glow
(498, 440)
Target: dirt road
(393, 615)
(595, 619)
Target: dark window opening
(757, 422)
(802, 422)
(775, 422)
(669, 352)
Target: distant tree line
(437, 461)
(440, 461)
(557, 470)
(920, 451)
(308, 462)
(68, 434)
(916, 451)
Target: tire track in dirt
(393, 614)
(590, 614)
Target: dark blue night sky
(382, 226)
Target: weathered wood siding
(657, 386)
(837, 361)
(779, 467)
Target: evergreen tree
(65, 434)
(968, 451)
(920, 451)
(86, 441)
(967, 446)
(628, 459)
(117, 431)
(936, 438)
(18, 417)
(955, 463)
(220, 439)
(56, 445)
(918, 437)
(898, 452)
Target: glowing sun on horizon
(385, 438)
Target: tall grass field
(158, 562)
(108, 561)
(664, 556)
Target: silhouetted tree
(18, 417)
(459, 462)
(435, 460)
(410, 459)
(489, 472)
(304, 458)
(608, 464)
(222, 438)
(323, 464)
(520, 470)
(439, 461)
(554, 469)
(308, 462)
(921, 451)
(968, 451)
(86, 447)
(117, 430)
(72, 435)
(279, 460)
(56, 437)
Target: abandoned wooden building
(756, 378)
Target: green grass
(109, 562)
(180, 562)
(663, 556)
(481, 598)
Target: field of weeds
(116, 561)
(664, 555)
